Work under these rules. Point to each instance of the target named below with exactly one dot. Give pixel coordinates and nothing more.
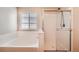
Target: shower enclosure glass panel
(50, 30)
(63, 32)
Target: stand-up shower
(63, 31)
(57, 29)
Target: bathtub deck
(18, 49)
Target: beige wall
(75, 30)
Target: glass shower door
(63, 33)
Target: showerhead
(59, 8)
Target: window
(28, 21)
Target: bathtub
(7, 39)
(13, 40)
(28, 40)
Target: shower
(57, 29)
(63, 32)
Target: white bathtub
(8, 39)
(19, 39)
